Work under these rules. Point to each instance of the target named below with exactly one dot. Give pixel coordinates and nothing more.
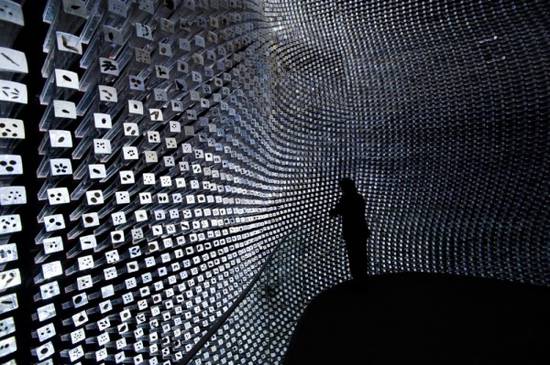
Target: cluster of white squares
(13, 195)
(152, 215)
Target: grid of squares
(14, 97)
(156, 210)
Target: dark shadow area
(424, 319)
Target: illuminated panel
(13, 191)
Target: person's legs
(357, 256)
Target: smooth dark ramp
(424, 319)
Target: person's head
(347, 186)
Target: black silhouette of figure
(355, 231)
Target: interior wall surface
(438, 110)
(167, 167)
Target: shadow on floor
(424, 319)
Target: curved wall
(439, 111)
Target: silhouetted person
(355, 231)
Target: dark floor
(425, 319)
